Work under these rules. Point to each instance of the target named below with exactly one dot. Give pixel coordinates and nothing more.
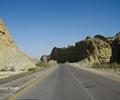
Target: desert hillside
(11, 58)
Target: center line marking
(91, 96)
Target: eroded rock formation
(90, 50)
(10, 56)
(116, 49)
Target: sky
(39, 25)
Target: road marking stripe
(91, 96)
(22, 91)
(29, 86)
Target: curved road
(70, 83)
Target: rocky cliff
(90, 51)
(10, 56)
(116, 49)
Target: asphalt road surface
(70, 83)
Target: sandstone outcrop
(90, 51)
(116, 49)
(10, 56)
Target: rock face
(45, 58)
(116, 49)
(10, 56)
(90, 50)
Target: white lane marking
(91, 96)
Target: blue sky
(39, 25)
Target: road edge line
(33, 82)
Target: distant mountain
(10, 56)
(90, 51)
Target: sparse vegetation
(112, 66)
(115, 66)
(3, 70)
(98, 65)
(12, 69)
(22, 69)
(32, 69)
(42, 64)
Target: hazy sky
(39, 25)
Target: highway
(70, 83)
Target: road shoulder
(105, 73)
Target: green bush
(3, 70)
(43, 64)
(32, 69)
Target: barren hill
(11, 58)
